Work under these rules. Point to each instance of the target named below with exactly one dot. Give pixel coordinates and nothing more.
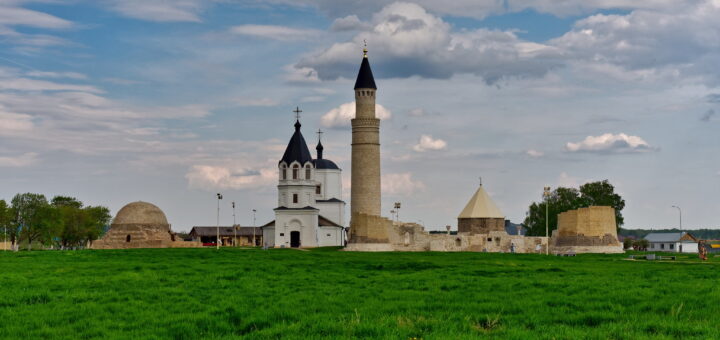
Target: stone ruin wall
(592, 221)
(413, 237)
(366, 228)
(586, 230)
(480, 225)
(141, 236)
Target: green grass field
(256, 294)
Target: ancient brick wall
(135, 235)
(586, 230)
(591, 221)
(366, 228)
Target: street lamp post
(397, 211)
(254, 242)
(234, 226)
(217, 236)
(679, 211)
(546, 195)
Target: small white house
(672, 242)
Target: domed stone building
(140, 225)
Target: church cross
(319, 132)
(297, 112)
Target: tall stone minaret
(365, 175)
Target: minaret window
(295, 198)
(296, 171)
(307, 171)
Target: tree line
(564, 199)
(63, 222)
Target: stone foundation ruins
(586, 230)
(402, 236)
(141, 225)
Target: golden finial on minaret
(365, 48)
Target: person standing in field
(702, 251)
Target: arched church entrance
(295, 239)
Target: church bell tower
(365, 173)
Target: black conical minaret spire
(365, 79)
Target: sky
(170, 102)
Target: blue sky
(171, 101)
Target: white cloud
(610, 143)
(405, 40)
(535, 153)
(25, 84)
(568, 181)
(340, 117)
(427, 142)
(12, 123)
(160, 10)
(69, 75)
(481, 9)
(255, 102)
(11, 15)
(400, 184)
(208, 177)
(417, 112)
(348, 23)
(678, 39)
(23, 160)
(275, 32)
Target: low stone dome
(140, 213)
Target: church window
(127, 239)
(307, 171)
(295, 198)
(282, 234)
(318, 190)
(328, 235)
(283, 172)
(489, 239)
(296, 171)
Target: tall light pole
(679, 211)
(546, 195)
(217, 237)
(234, 226)
(397, 211)
(254, 211)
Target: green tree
(560, 200)
(98, 219)
(5, 219)
(72, 220)
(627, 243)
(80, 224)
(602, 193)
(36, 218)
(564, 199)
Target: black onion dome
(297, 149)
(365, 79)
(325, 164)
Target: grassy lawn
(256, 294)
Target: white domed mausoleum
(310, 211)
(140, 225)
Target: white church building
(310, 210)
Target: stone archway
(295, 239)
